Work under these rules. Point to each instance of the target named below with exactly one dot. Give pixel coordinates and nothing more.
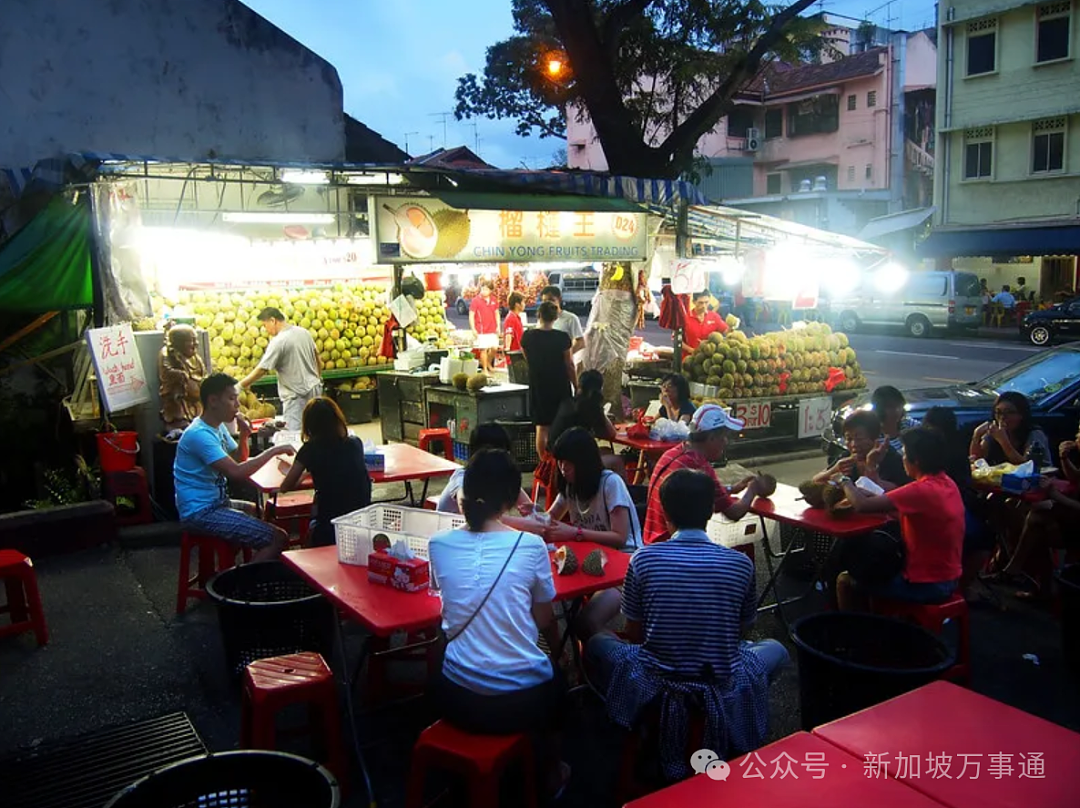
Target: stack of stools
(214, 555)
(23, 598)
(442, 435)
(131, 483)
(292, 513)
(481, 759)
(271, 685)
(932, 617)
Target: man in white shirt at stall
(568, 321)
(293, 355)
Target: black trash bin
(850, 661)
(241, 779)
(1069, 588)
(264, 610)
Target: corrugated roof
(780, 79)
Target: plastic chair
(214, 555)
(481, 759)
(275, 683)
(431, 503)
(442, 434)
(292, 513)
(23, 597)
(933, 617)
(131, 483)
(997, 314)
(637, 749)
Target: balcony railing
(918, 157)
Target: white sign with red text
(119, 371)
(756, 414)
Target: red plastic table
(404, 464)
(1023, 761)
(787, 770)
(647, 450)
(787, 506)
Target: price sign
(119, 370)
(814, 415)
(756, 414)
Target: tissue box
(409, 576)
(375, 461)
(1019, 483)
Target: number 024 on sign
(756, 414)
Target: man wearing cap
(710, 430)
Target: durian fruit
(836, 502)
(460, 380)
(594, 563)
(566, 562)
(767, 485)
(477, 382)
(813, 493)
(454, 229)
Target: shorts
(900, 588)
(233, 521)
(486, 341)
(292, 409)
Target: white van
(578, 287)
(928, 301)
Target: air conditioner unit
(753, 139)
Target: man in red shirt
(484, 321)
(513, 329)
(931, 513)
(710, 429)
(701, 322)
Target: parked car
(1060, 320)
(928, 301)
(1050, 379)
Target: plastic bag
(669, 431)
(610, 327)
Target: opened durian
(594, 563)
(566, 562)
(767, 485)
(813, 493)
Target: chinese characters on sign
(428, 230)
(877, 765)
(119, 370)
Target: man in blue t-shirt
(207, 457)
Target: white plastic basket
(733, 534)
(356, 531)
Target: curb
(773, 459)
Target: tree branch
(617, 19)
(709, 112)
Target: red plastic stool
(23, 598)
(131, 483)
(933, 617)
(443, 435)
(292, 513)
(481, 759)
(215, 555)
(272, 684)
(431, 503)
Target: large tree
(652, 75)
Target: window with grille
(981, 47)
(1053, 24)
(814, 116)
(774, 123)
(979, 153)
(1048, 146)
(851, 102)
(772, 183)
(869, 171)
(871, 98)
(739, 121)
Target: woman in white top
(497, 592)
(485, 436)
(594, 501)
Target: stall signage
(687, 276)
(814, 415)
(119, 371)
(756, 414)
(425, 230)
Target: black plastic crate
(522, 443)
(358, 406)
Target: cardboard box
(375, 461)
(409, 576)
(1019, 483)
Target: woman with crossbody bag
(497, 592)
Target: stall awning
(1029, 239)
(46, 265)
(468, 200)
(895, 223)
(665, 193)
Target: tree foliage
(652, 75)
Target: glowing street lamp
(554, 66)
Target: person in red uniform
(512, 327)
(484, 321)
(700, 323)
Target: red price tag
(756, 414)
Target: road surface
(902, 361)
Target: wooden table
(799, 771)
(647, 449)
(943, 720)
(787, 506)
(404, 464)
